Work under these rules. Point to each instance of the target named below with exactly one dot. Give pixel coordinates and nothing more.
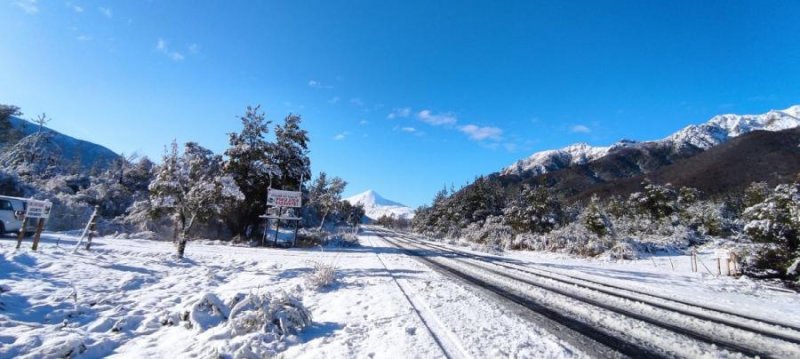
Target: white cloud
(334, 100)
(399, 113)
(83, 38)
(363, 122)
(429, 117)
(194, 48)
(479, 133)
(341, 136)
(28, 6)
(318, 85)
(408, 129)
(75, 8)
(163, 47)
(106, 11)
(580, 129)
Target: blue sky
(402, 97)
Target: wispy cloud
(401, 112)
(194, 49)
(83, 38)
(28, 6)
(334, 100)
(431, 118)
(479, 133)
(363, 122)
(318, 85)
(580, 129)
(341, 136)
(106, 11)
(75, 8)
(163, 47)
(408, 129)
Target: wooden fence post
(22, 231)
(92, 225)
(38, 235)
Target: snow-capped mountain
(718, 130)
(376, 206)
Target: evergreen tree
(656, 201)
(253, 168)
(290, 153)
(535, 210)
(776, 222)
(8, 134)
(595, 218)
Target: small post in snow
(92, 226)
(22, 231)
(38, 235)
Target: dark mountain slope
(773, 157)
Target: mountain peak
(377, 206)
(717, 130)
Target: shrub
(323, 276)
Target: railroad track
(715, 328)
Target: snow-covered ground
(129, 298)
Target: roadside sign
(38, 209)
(279, 198)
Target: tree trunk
(321, 224)
(181, 238)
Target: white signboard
(38, 209)
(278, 198)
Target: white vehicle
(12, 211)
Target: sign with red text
(279, 198)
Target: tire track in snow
(754, 349)
(450, 346)
(763, 327)
(580, 335)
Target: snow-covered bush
(493, 233)
(254, 325)
(281, 314)
(322, 276)
(342, 240)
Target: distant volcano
(376, 206)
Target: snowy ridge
(717, 130)
(376, 206)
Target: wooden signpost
(38, 210)
(280, 200)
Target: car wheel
(2, 229)
(29, 234)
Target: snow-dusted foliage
(191, 188)
(324, 199)
(254, 325)
(323, 275)
(775, 222)
(251, 165)
(35, 155)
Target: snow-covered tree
(776, 222)
(325, 197)
(535, 210)
(252, 167)
(8, 134)
(290, 153)
(595, 218)
(191, 188)
(657, 201)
